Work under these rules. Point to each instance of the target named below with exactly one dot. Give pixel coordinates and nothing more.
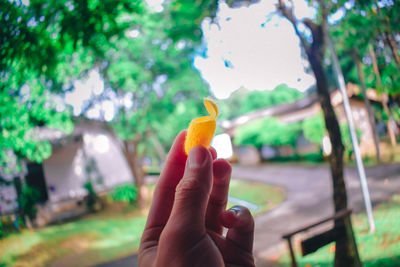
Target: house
(91, 153)
(308, 107)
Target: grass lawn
(381, 249)
(90, 240)
(265, 196)
(106, 235)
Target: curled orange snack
(201, 130)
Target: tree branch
(288, 13)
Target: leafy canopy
(141, 54)
(243, 101)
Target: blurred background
(93, 93)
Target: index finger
(170, 176)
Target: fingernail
(196, 157)
(235, 210)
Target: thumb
(192, 192)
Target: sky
(249, 47)
(253, 47)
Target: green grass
(103, 236)
(92, 240)
(266, 196)
(380, 249)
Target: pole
(354, 141)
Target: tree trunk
(393, 48)
(346, 249)
(130, 152)
(162, 154)
(367, 104)
(391, 42)
(385, 97)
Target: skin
(187, 216)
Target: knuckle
(218, 203)
(188, 187)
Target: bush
(1, 230)
(125, 193)
(313, 157)
(27, 199)
(91, 198)
(267, 131)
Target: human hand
(187, 216)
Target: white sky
(263, 55)
(84, 91)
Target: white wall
(110, 160)
(66, 169)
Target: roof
(271, 111)
(59, 138)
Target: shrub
(1, 230)
(267, 131)
(27, 199)
(125, 193)
(91, 198)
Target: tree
(45, 46)
(363, 25)
(350, 34)
(156, 69)
(346, 250)
(142, 56)
(367, 103)
(314, 130)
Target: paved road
(309, 194)
(308, 198)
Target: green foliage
(268, 131)
(92, 197)
(396, 113)
(314, 129)
(47, 45)
(20, 117)
(187, 17)
(243, 101)
(1, 229)
(364, 26)
(156, 69)
(346, 139)
(313, 157)
(27, 200)
(40, 36)
(125, 193)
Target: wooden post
(292, 256)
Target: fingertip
(199, 157)
(221, 169)
(237, 217)
(213, 152)
(228, 218)
(177, 152)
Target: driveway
(309, 195)
(308, 198)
